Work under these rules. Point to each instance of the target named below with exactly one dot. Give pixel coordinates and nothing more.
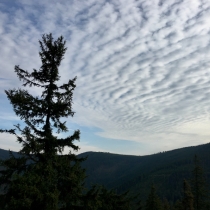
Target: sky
(142, 67)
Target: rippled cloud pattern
(143, 67)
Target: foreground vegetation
(155, 179)
(194, 194)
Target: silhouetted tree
(166, 205)
(40, 178)
(153, 202)
(111, 200)
(178, 205)
(187, 201)
(139, 205)
(199, 185)
(99, 198)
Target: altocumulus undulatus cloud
(143, 67)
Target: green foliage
(139, 205)
(111, 200)
(153, 201)
(199, 185)
(135, 173)
(39, 178)
(178, 205)
(99, 198)
(187, 201)
(166, 205)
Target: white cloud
(8, 142)
(143, 67)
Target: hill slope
(136, 173)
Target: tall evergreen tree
(166, 205)
(39, 178)
(178, 205)
(153, 202)
(99, 198)
(198, 185)
(139, 205)
(187, 201)
(112, 201)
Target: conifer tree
(198, 185)
(187, 201)
(99, 198)
(178, 205)
(139, 205)
(42, 177)
(153, 202)
(166, 205)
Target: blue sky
(142, 67)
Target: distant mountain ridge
(136, 173)
(4, 154)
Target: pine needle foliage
(153, 201)
(199, 185)
(187, 201)
(42, 177)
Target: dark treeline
(194, 194)
(136, 174)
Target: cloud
(8, 142)
(143, 67)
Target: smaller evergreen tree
(112, 201)
(99, 198)
(187, 201)
(166, 205)
(199, 185)
(153, 201)
(177, 206)
(139, 205)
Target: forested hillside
(137, 173)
